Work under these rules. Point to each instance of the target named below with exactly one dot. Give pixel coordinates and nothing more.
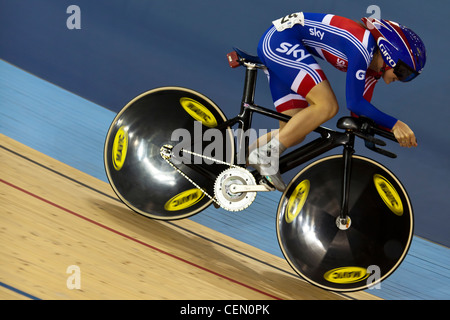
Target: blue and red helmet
(400, 47)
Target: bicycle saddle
(348, 123)
(247, 56)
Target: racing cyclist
(367, 52)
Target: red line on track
(137, 241)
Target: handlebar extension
(366, 129)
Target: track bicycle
(344, 222)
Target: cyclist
(367, 52)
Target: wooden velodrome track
(54, 216)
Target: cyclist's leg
(296, 80)
(304, 120)
(289, 104)
(292, 113)
(322, 107)
(264, 153)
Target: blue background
(126, 47)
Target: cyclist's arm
(361, 107)
(355, 84)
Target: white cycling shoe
(265, 159)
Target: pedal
(267, 184)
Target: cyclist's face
(389, 76)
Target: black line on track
(168, 222)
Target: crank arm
(239, 188)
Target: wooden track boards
(53, 216)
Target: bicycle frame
(329, 139)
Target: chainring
(229, 200)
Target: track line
(4, 285)
(137, 241)
(168, 222)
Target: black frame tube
(347, 172)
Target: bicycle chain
(166, 157)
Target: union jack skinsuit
(288, 49)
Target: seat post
(245, 116)
(250, 84)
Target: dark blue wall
(125, 47)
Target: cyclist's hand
(404, 135)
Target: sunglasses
(404, 72)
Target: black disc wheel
(141, 177)
(376, 239)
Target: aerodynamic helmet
(400, 47)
